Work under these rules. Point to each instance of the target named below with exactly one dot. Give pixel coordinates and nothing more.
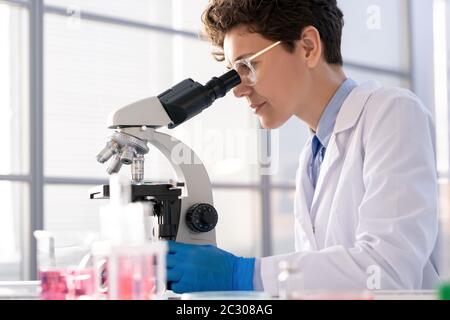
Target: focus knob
(201, 217)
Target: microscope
(181, 210)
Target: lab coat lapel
(332, 156)
(346, 119)
(304, 197)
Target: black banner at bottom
(214, 309)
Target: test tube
(137, 272)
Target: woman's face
(281, 77)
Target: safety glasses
(245, 68)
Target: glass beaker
(137, 272)
(65, 264)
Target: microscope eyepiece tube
(221, 85)
(188, 98)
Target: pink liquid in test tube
(136, 278)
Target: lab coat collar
(329, 115)
(353, 106)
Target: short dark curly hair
(277, 20)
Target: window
(441, 38)
(14, 129)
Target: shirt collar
(328, 118)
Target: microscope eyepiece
(231, 79)
(188, 98)
(221, 85)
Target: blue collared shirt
(325, 128)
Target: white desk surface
(30, 290)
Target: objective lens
(115, 165)
(127, 155)
(108, 151)
(137, 169)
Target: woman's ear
(311, 46)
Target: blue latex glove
(193, 268)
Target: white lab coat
(376, 200)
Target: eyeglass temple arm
(264, 51)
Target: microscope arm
(197, 184)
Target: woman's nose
(241, 91)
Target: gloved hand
(193, 268)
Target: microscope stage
(141, 192)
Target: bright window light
(441, 85)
